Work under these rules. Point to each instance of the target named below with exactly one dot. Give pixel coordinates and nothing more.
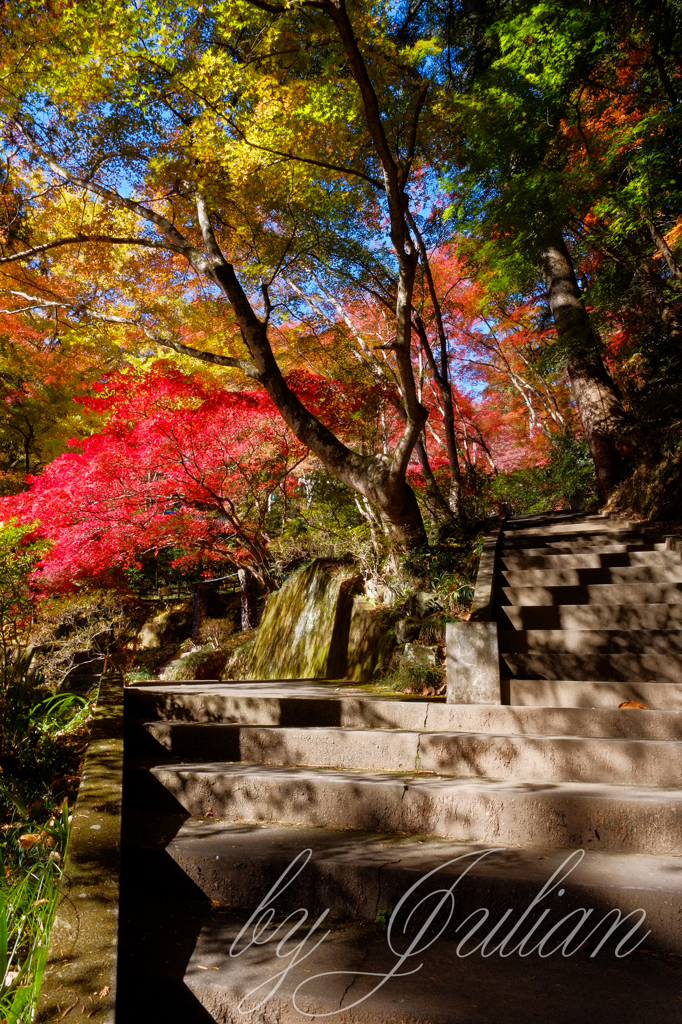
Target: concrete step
(584, 642)
(626, 668)
(458, 754)
(569, 693)
(592, 616)
(589, 560)
(635, 574)
(353, 975)
(597, 594)
(575, 535)
(265, 704)
(357, 875)
(598, 547)
(377, 713)
(594, 816)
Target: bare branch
(81, 237)
(421, 99)
(207, 357)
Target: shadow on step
(162, 913)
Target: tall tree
(231, 143)
(568, 142)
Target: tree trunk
(435, 502)
(454, 497)
(249, 610)
(601, 412)
(199, 601)
(400, 514)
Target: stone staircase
(325, 804)
(589, 613)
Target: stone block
(418, 656)
(473, 664)
(368, 639)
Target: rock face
(203, 662)
(407, 630)
(367, 641)
(172, 623)
(305, 629)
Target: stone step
(590, 815)
(289, 704)
(598, 594)
(592, 616)
(348, 972)
(659, 668)
(635, 574)
(357, 875)
(587, 642)
(375, 713)
(598, 547)
(569, 693)
(458, 754)
(589, 560)
(576, 535)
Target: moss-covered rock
(305, 626)
(172, 623)
(369, 640)
(238, 651)
(195, 663)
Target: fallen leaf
(28, 840)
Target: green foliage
(30, 858)
(324, 520)
(417, 680)
(566, 479)
(446, 571)
(41, 744)
(18, 557)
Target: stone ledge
(80, 974)
(473, 663)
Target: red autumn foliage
(182, 464)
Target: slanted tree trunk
(601, 412)
(436, 504)
(249, 610)
(441, 377)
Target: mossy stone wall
(305, 626)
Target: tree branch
(339, 168)
(196, 258)
(81, 237)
